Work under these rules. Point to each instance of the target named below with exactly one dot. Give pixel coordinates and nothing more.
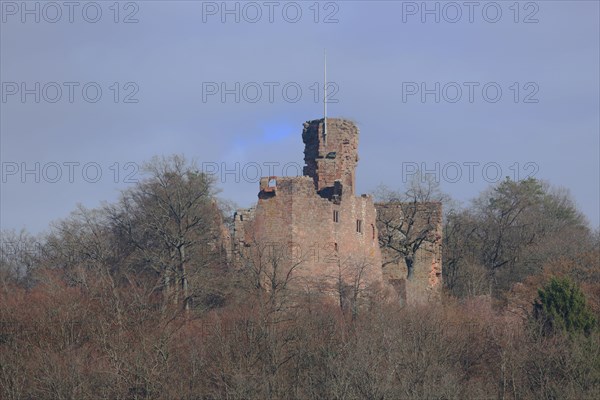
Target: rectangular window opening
(359, 226)
(336, 216)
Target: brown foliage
(61, 341)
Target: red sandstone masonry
(295, 215)
(427, 281)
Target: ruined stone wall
(294, 221)
(317, 225)
(426, 284)
(295, 215)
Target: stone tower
(316, 228)
(331, 158)
(316, 223)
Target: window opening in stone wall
(336, 216)
(359, 226)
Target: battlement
(285, 186)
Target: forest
(136, 300)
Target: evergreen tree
(561, 307)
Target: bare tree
(19, 257)
(521, 224)
(406, 220)
(170, 218)
(352, 283)
(272, 269)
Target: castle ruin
(315, 229)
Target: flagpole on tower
(325, 96)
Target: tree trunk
(184, 281)
(167, 292)
(410, 267)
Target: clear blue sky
(543, 56)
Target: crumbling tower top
(331, 157)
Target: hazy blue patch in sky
(275, 132)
